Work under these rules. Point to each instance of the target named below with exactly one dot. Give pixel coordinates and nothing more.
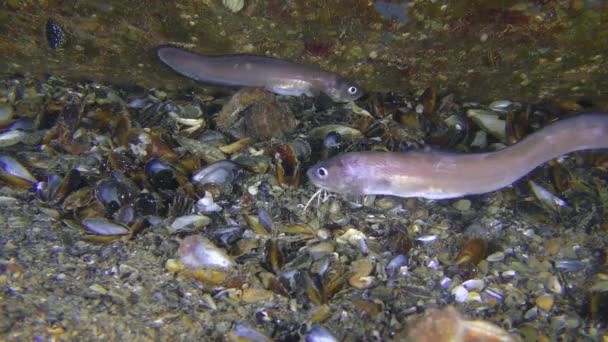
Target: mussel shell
(14, 173)
(227, 236)
(46, 190)
(221, 173)
(115, 192)
(287, 164)
(23, 124)
(161, 174)
(146, 204)
(473, 251)
(102, 226)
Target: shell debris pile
(185, 215)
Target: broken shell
(161, 174)
(205, 275)
(256, 295)
(114, 192)
(359, 274)
(235, 146)
(256, 164)
(287, 159)
(102, 226)
(234, 5)
(348, 133)
(489, 122)
(274, 256)
(554, 285)
(204, 150)
(395, 264)
(448, 325)
(501, 106)
(495, 257)
(319, 334)
(516, 126)
(207, 204)
(472, 252)
(546, 198)
(13, 137)
(474, 284)
(243, 333)
(352, 237)
(198, 252)
(188, 223)
(222, 172)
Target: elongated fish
(439, 175)
(276, 75)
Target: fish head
(343, 90)
(339, 174)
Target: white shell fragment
(352, 237)
(474, 284)
(319, 334)
(207, 204)
(500, 105)
(460, 294)
(427, 238)
(189, 223)
(101, 226)
(11, 138)
(234, 5)
(489, 122)
(197, 251)
(497, 256)
(553, 285)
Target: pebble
(545, 302)
(462, 205)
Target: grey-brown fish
(440, 175)
(276, 75)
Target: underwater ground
(136, 204)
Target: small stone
(360, 270)
(460, 294)
(545, 302)
(174, 266)
(387, 203)
(352, 237)
(98, 288)
(256, 295)
(462, 205)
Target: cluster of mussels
(224, 178)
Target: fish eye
(322, 172)
(352, 90)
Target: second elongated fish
(276, 75)
(438, 175)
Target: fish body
(276, 75)
(440, 175)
